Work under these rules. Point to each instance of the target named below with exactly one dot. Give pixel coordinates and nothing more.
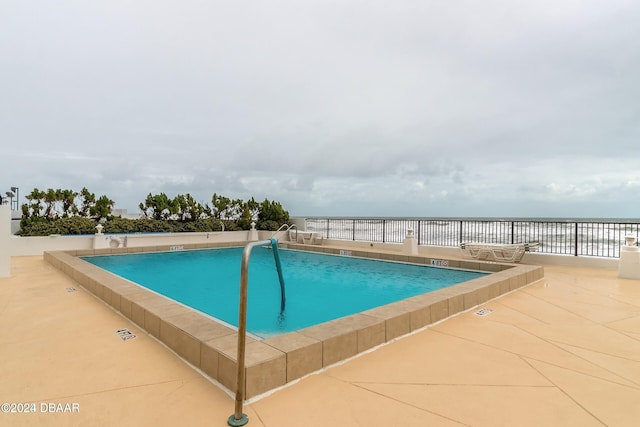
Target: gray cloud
(412, 108)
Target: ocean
(600, 237)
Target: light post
(10, 196)
(17, 191)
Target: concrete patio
(563, 351)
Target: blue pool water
(319, 287)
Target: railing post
(353, 229)
(575, 241)
(460, 234)
(419, 233)
(384, 230)
(512, 232)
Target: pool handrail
(238, 418)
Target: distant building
(124, 214)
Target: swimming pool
(211, 346)
(319, 287)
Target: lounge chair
(494, 252)
(312, 239)
(295, 236)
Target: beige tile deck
(563, 351)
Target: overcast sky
(380, 108)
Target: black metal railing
(564, 237)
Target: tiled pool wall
(273, 362)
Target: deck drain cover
(125, 334)
(71, 289)
(483, 312)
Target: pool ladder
(284, 230)
(238, 418)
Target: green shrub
(44, 227)
(42, 215)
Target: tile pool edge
(273, 362)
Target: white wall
(300, 223)
(156, 239)
(532, 258)
(28, 246)
(5, 236)
(570, 260)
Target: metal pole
(512, 231)
(17, 191)
(384, 231)
(239, 418)
(353, 230)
